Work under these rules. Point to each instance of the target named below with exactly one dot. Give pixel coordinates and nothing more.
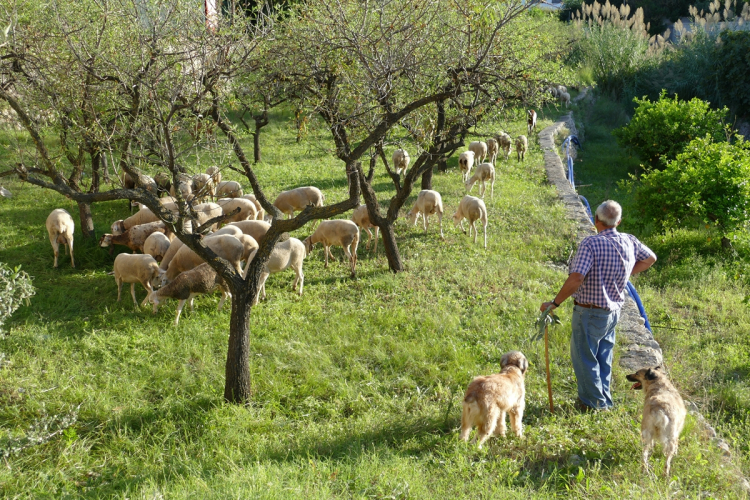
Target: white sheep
(400, 160)
(255, 228)
(249, 247)
(480, 151)
(228, 229)
(465, 162)
(163, 182)
(428, 202)
(492, 149)
(295, 200)
(134, 238)
(184, 184)
(286, 254)
(215, 174)
(228, 189)
(339, 232)
(130, 268)
(561, 88)
(248, 209)
(142, 216)
(361, 217)
(199, 280)
(60, 227)
(505, 143)
(203, 186)
(473, 209)
(484, 172)
(564, 98)
(531, 121)
(224, 245)
(260, 212)
(522, 145)
(173, 249)
(552, 91)
(157, 245)
(206, 211)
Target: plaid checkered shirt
(606, 261)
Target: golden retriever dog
(663, 412)
(489, 398)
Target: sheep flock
(168, 269)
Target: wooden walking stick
(549, 378)
(542, 323)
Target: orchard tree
(434, 67)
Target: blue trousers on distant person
(591, 350)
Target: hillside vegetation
(357, 384)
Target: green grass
(357, 384)
(696, 294)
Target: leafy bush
(15, 287)
(663, 128)
(709, 182)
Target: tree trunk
(237, 388)
(256, 144)
(391, 248)
(427, 179)
(87, 220)
(442, 164)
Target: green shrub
(15, 288)
(732, 66)
(709, 183)
(663, 128)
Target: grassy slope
(358, 384)
(696, 294)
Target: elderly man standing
(598, 276)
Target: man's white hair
(609, 212)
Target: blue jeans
(591, 350)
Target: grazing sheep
(249, 247)
(552, 91)
(522, 144)
(5, 193)
(260, 212)
(564, 98)
(428, 202)
(465, 162)
(228, 229)
(215, 174)
(156, 245)
(341, 232)
(128, 183)
(400, 161)
(142, 216)
(134, 238)
(173, 249)
(480, 151)
(206, 211)
(492, 149)
(202, 279)
(561, 88)
(531, 121)
(60, 227)
(248, 210)
(163, 182)
(295, 200)
(484, 172)
(473, 209)
(255, 228)
(228, 189)
(225, 246)
(505, 142)
(286, 254)
(134, 269)
(184, 184)
(203, 186)
(361, 217)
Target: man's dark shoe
(583, 407)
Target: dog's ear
(651, 374)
